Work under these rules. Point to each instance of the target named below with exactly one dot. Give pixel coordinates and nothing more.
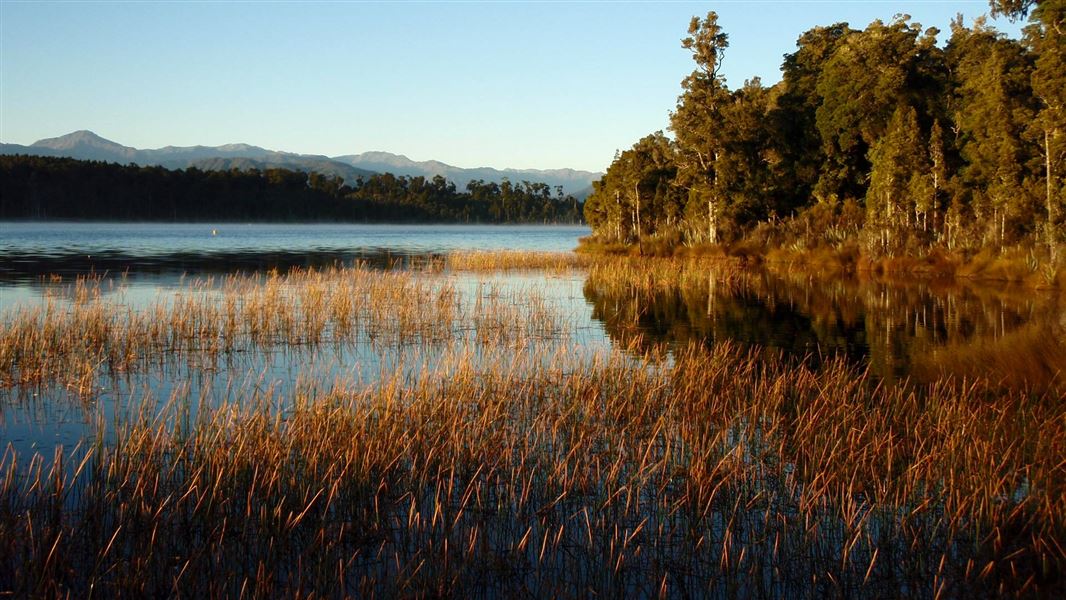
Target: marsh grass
(515, 260)
(72, 343)
(532, 473)
(503, 460)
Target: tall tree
(897, 167)
(697, 122)
(795, 134)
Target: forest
(35, 187)
(876, 143)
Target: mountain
(328, 167)
(86, 145)
(578, 183)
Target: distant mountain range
(578, 183)
(86, 145)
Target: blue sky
(502, 84)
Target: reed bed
(534, 474)
(486, 260)
(501, 459)
(72, 343)
(647, 276)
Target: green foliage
(959, 147)
(992, 107)
(637, 195)
(896, 181)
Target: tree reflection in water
(919, 330)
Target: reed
(70, 343)
(506, 460)
(517, 260)
(532, 473)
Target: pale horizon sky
(501, 84)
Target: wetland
(476, 411)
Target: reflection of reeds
(1031, 356)
(532, 473)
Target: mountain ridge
(86, 145)
(574, 181)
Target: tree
(697, 121)
(636, 196)
(869, 74)
(992, 108)
(927, 199)
(1046, 35)
(1013, 9)
(792, 117)
(895, 181)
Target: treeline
(878, 138)
(35, 187)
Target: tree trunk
(640, 244)
(712, 206)
(936, 212)
(1050, 207)
(618, 225)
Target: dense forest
(879, 140)
(35, 187)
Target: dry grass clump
(649, 275)
(495, 260)
(713, 474)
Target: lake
(618, 413)
(162, 250)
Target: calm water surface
(158, 251)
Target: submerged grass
(511, 464)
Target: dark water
(914, 330)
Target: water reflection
(920, 330)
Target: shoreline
(1018, 267)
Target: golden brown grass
(72, 343)
(557, 478)
(508, 260)
(512, 463)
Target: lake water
(160, 250)
(899, 331)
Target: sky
(501, 84)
